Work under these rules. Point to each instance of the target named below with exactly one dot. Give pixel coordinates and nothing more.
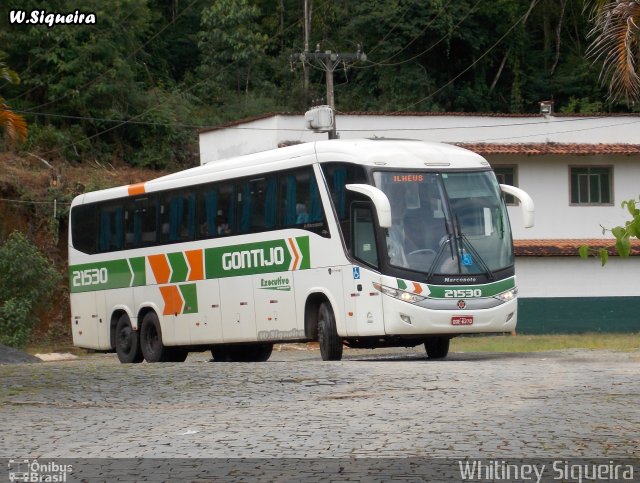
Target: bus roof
(390, 153)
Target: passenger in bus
(301, 213)
(222, 225)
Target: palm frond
(13, 124)
(617, 45)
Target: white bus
(363, 243)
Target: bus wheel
(151, 340)
(242, 353)
(177, 354)
(127, 342)
(437, 347)
(330, 342)
(261, 352)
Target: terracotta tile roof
(565, 247)
(532, 149)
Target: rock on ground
(9, 355)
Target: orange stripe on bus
(296, 259)
(172, 300)
(136, 189)
(195, 261)
(160, 268)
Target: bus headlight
(508, 295)
(398, 294)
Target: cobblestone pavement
(391, 403)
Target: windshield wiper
(464, 241)
(441, 250)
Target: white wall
(254, 136)
(546, 179)
(575, 277)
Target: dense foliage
(27, 284)
(167, 67)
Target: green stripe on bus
(139, 271)
(471, 291)
(179, 267)
(88, 277)
(229, 261)
(190, 296)
(303, 244)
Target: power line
(384, 63)
(247, 128)
(473, 64)
(394, 27)
(33, 202)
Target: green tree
(27, 284)
(622, 234)
(232, 43)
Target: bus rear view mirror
(526, 203)
(379, 199)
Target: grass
(501, 343)
(536, 343)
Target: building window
(507, 175)
(591, 185)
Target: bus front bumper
(403, 318)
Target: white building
(578, 169)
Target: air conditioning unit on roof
(320, 119)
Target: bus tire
(242, 353)
(437, 347)
(151, 340)
(262, 352)
(127, 342)
(177, 354)
(330, 341)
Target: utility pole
(307, 35)
(328, 61)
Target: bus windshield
(446, 223)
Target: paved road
(392, 403)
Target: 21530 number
(90, 276)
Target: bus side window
(216, 210)
(177, 217)
(110, 237)
(338, 175)
(299, 198)
(141, 222)
(258, 204)
(364, 236)
(84, 226)
(207, 209)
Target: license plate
(462, 320)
